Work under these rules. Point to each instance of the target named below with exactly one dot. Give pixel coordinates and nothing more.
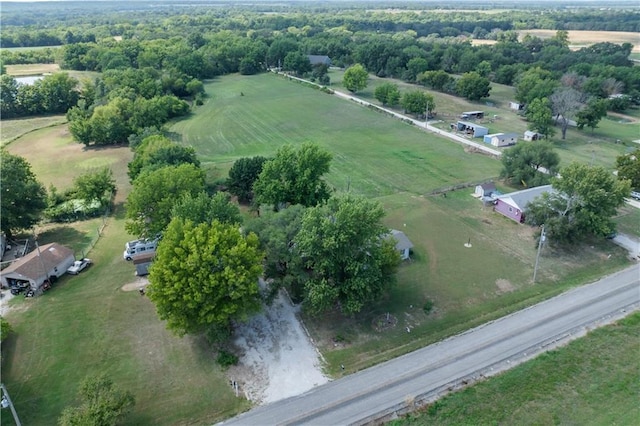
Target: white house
(46, 263)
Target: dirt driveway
(278, 359)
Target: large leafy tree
(418, 102)
(23, 198)
(277, 232)
(387, 94)
(355, 78)
(205, 276)
(297, 62)
(540, 117)
(591, 115)
(158, 151)
(242, 175)
(473, 86)
(521, 165)
(294, 177)
(628, 166)
(103, 404)
(535, 83)
(202, 208)
(342, 243)
(437, 80)
(583, 202)
(94, 185)
(155, 193)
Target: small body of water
(29, 79)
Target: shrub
(226, 359)
(428, 306)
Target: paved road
(430, 372)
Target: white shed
(501, 139)
(532, 136)
(403, 244)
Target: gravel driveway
(278, 359)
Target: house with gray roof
(512, 205)
(45, 264)
(319, 60)
(403, 244)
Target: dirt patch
(277, 358)
(140, 282)
(384, 322)
(504, 286)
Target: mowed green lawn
(592, 381)
(247, 116)
(88, 324)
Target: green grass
(13, 129)
(592, 381)
(628, 220)
(376, 154)
(87, 324)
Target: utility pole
(7, 398)
(535, 268)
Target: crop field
(593, 380)
(247, 116)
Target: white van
(137, 247)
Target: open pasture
(372, 154)
(12, 129)
(31, 69)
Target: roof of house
(402, 242)
(37, 263)
(520, 199)
(530, 133)
(319, 59)
(489, 186)
(473, 112)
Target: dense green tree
(23, 197)
(294, 177)
(387, 94)
(203, 208)
(8, 96)
(473, 86)
(5, 329)
(540, 117)
(205, 276)
(154, 194)
(521, 164)
(103, 404)
(95, 185)
(628, 166)
(320, 73)
(437, 80)
(242, 175)
(297, 62)
(342, 243)
(282, 264)
(535, 83)
(355, 78)
(591, 114)
(583, 203)
(418, 102)
(58, 92)
(158, 151)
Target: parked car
(78, 266)
(635, 195)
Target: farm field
(31, 69)
(592, 380)
(600, 147)
(579, 39)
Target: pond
(29, 79)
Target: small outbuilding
(501, 139)
(471, 129)
(142, 263)
(512, 205)
(516, 106)
(532, 136)
(472, 115)
(45, 264)
(485, 190)
(403, 244)
(319, 60)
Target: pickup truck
(78, 266)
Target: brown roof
(31, 265)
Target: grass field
(379, 156)
(87, 324)
(599, 148)
(31, 69)
(628, 220)
(12, 129)
(592, 381)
